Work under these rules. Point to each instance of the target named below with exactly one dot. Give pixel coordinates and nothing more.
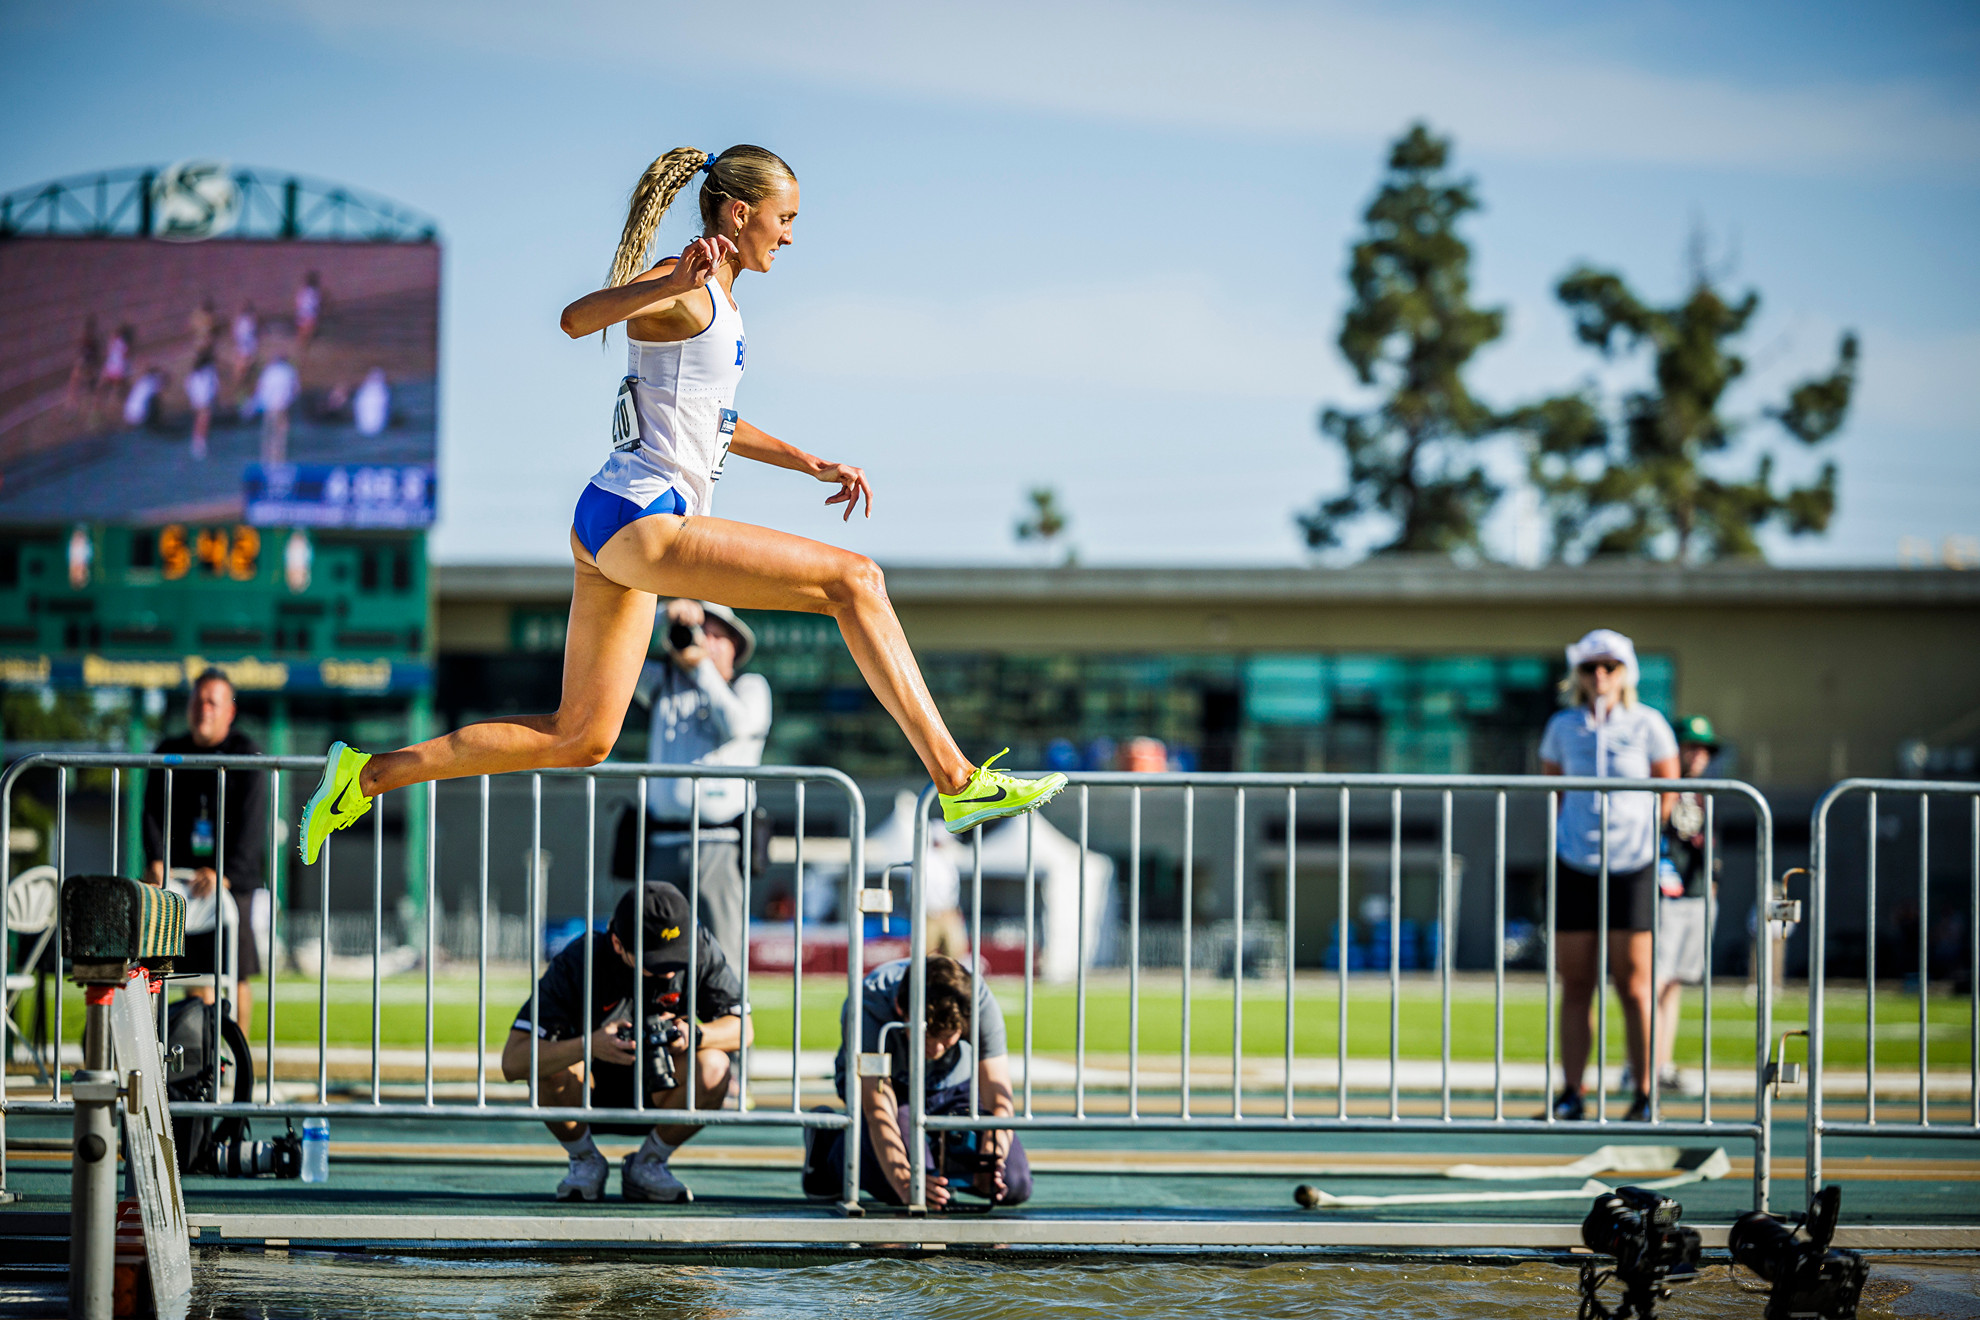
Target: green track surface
(495, 1185)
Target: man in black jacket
(614, 1009)
(236, 861)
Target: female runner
(642, 528)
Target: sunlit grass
(1107, 1026)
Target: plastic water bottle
(316, 1150)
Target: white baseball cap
(1604, 643)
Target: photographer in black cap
(567, 1010)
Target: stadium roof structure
(1393, 579)
(264, 204)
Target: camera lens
(1763, 1244)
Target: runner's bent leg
(604, 648)
(749, 567)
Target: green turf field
(1107, 1017)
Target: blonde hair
(1573, 694)
(742, 173)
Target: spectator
(567, 1010)
(204, 328)
(235, 861)
(371, 405)
(274, 394)
(141, 404)
(309, 307)
(1682, 883)
(947, 929)
(704, 714)
(202, 392)
(117, 363)
(989, 1164)
(1606, 733)
(88, 366)
(247, 344)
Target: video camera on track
(1640, 1229)
(1809, 1277)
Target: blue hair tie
(708, 166)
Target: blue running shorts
(600, 514)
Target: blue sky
(1100, 241)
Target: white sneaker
(642, 1178)
(586, 1180)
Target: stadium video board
(261, 383)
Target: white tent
(1055, 856)
(892, 842)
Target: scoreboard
(283, 609)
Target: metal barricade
(1921, 793)
(481, 1108)
(1186, 1114)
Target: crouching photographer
(991, 1164)
(615, 1017)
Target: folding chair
(33, 902)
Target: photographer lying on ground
(988, 1164)
(567, 1011)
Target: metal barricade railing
(1186, 1114)
(481, 1108)
(1825, 870)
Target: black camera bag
(188, 1029)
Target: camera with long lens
(1639, 1228)
(238, 1155)
(1809, 1277)
(661, 1033)
(681, 636)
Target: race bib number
(727, 433)
(625, 417)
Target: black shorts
(199, 954)
(612, 1088)
(1632, 898)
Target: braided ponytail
(742, 173)
(651, 197)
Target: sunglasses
(1603, 666)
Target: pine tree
(1652, 482)
(1411, 329)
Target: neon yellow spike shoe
(992, 795)
(336, 803)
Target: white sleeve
(1658, 739)
(1551, 743)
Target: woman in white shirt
(1607, 733)
(202, 390)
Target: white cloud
(1324, 70)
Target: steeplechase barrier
(1178, 797)
(1172, 801)
(586, 782)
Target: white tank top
(675, 417)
